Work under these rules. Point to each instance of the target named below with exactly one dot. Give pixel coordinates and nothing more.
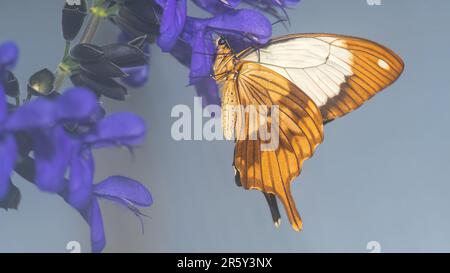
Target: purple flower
(76, 105)
(64, 148)
(40, 113)
(121, 190)
(196, 46)
(137, 76)
(272, 7)
(248, 25)
(190, 40)
(217, 6)
(9, 53)
(280, 3)
(122, 129)
(172, 22)
(68, 149)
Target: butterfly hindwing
(300, 131)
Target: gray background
(382, 173)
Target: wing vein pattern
(339, 73)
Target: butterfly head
(224, 59)
(222, 42)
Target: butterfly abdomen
(229, 113)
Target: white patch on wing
(318, 66)
(383, 64)
(304, 52)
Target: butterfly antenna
(207, 77)
(283, 21)
(212, 54)
(287, 18)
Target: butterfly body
(310, 79)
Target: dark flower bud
(139, 42)
(74, 13)
(101, 86)
(108, 61)
(137, 75)
(86, 53)
(136, 22)
(145, 11)
(125, 55)
(104, 69)
(41, 83)
(12, 198)
(11, 84)
(139, 17)
(126, 2)
(126, 26)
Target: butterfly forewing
(339, 73)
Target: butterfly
(311, 79)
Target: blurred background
(362, 185)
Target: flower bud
(101, 86)
(73, 16)
(86, 53)
(11, 84)
(41, 83)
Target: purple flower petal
(286, 3)
(3, 104)
(81, 180)
(52, 154)
(209, 91)
(172, 22)
(138, 76)
(76, 104)
(247, 25)
(123, 188)
(182, 52)
(217, 6)
(251, 24)
(8, 155)
(118, 129)
(203, 51)
(93, 216)
(8, 55)
(35, 114)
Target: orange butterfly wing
(339, 72)
(300, 132)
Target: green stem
(66, 50)
(90, 30)
(60, 74)
(88, 35)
